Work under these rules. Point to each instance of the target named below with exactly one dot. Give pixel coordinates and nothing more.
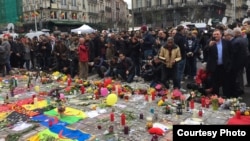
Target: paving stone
(41, 128)
(27, 135)
(3, 135)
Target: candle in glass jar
(146, 97)
(203, 103)
(69, 80)
(123, 119)
(141, 115)
(238, 114)
(192, 104)
(126, 130)
(200, 113)
(112, 117)
(153, 96)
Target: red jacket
(201, 76)
(83, 53)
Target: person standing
(7, 47)
(170, 55)
(180, 41)
(218, 62)
(83, 52)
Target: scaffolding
(10, 11)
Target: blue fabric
(219, 49)
(69, 133)
(44, 120)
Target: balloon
(111, 99)
(104, 92)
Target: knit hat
(144, 28)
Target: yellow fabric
(46, 133)
(3, 115)
(34, 138)
(40, 104)
(74, 112)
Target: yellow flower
(160, 103)
(56, 73)
(64, 78)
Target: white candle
(116, 89)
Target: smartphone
(213, 39)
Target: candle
(238, 114)
(146, 97)
(82, 90)
(69, 80)
(141, 115)
(96, 96)
(116, 89)
(203, 103)
(192, 104)
(207, 102)
(126, 130)
(112, 117)
(35, 102)
(123, 119)
(153, 96)
(200, 113)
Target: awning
(67, 22)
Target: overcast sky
(129, 3)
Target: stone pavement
(99, 126)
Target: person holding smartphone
(218, 62)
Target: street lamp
(132, 10)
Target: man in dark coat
(218, 62)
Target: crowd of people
(158, 56)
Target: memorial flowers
(215, 102)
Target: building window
(117, 16)
(53, 15)
(64, 15)
(148, 3)
(117, 5)
(200, 0)
(74, 15)
(73, 2)
(183, 1)
(139, 3)
(170, 2)
(83, 16)
(159, 2)
(63, 2)
(83, 4)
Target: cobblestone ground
(134, 106)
